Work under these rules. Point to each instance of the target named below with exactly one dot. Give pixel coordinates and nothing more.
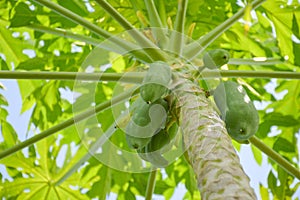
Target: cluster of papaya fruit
(151, 128)
(236, 109)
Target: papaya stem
(276, 157)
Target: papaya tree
(136, 98)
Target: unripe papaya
(158, 141)
(147, 119)
(155, 158)
(142, 153)
(215, 58)
(136, 104)
(136, 142)
(163, 103)
(155, 82)
(151, 152)
(237, 110)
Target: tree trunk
(211, 153)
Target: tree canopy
(84, 47)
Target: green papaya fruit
(136, 104)
(151, 152)
(156, 81)
(158, 141)
(237, 110)
(153, 91)
(136, 142)
(215, 58)
(156, 159)
(142, 153)
(163, 103)
(147, 119)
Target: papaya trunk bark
(212, 156)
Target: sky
(258, 174)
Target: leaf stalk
(84, 115)
(275, 157)
(129, 77)
(151, 185)
(197, 47)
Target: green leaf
(264, 193)
(12, 47)
(104, 183)
(296, 49)
(17, 186)
(272, 182)
(67, 193)
(3, 100)
(9, 134)
(27, 87)
(50, 95)
(63, 21)
(32, 64)
(257, 155)
(251, 45)
(282, 176)
(25, 165)
(3, 114)
(282, 17)
(282, 144)
(3, 65)
(75, 6)
(190, 181)
(128, 194)
(280, 119)
(161, 186)
(296, 33)
(23, 16)
(139, 182)
(290, 101)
